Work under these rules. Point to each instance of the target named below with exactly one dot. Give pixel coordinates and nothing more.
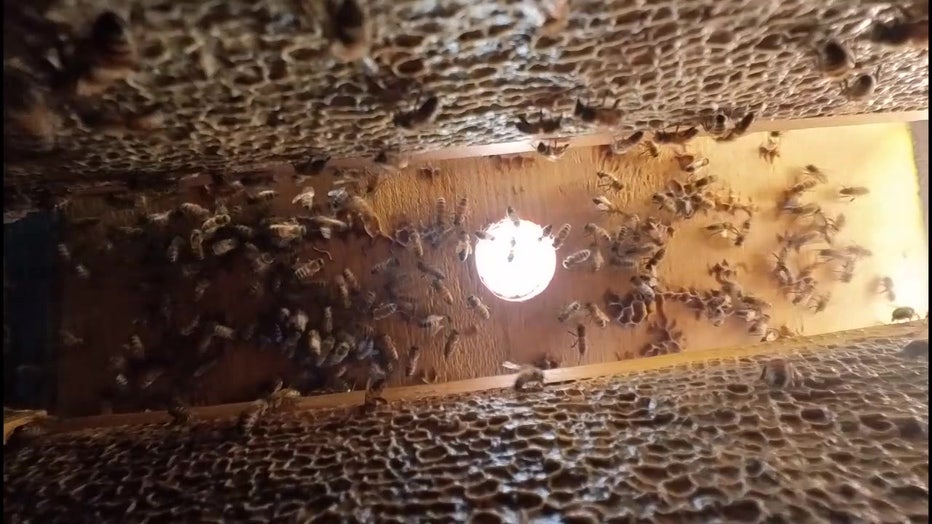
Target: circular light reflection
(530, 270)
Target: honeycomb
(704, 441)
(241, 83)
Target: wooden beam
(355, 398)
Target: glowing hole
(529, 272)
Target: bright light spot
(528, 273)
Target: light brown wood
(887, 221)
(340, 400)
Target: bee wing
(511, 365)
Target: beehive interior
(703, 441)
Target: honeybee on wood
(650, 149)
(461, 211)
(192, 210)
(552, 151)
(582, 341)
(576, 258)
(513, 216)
(434, 323)
(562, 234)
(305, 199)
(740, 128)
(834, 60)
(249, 417)
(600, 115)
(264, 196)
(200, 288)
(431, 271)
(676, 136)
(770, 149)
(568, 311)
(384, 310)
(287, 231)
(609, 181)
(342, 291)
(885, 286)
(622, 146)
(485, 235)
(463, 246)
(597, 315)
(545, 232)
(778, 373)
(904, 30)
(414, 354)
(212, 224)
(179, 413)
(475, 303)
(527, 376)
(421, 117)
(596, 260)
(542, 125)
(351, 280)
(441, 289)
(850, 193)
(818, 303)
(304, 272)
(451, 344)
(904, 313)
(222, 247)
(741, 234)
(388, 263)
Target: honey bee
(850, 193)
(349, 30)
(304, 272)
(904, 313)
(381, 267)
(422, 116)
(597, 315)
(326, 325)
(200, 288)
(266, 195)
(818, 303)
(476, 303)
(620, 147)
(562, 234)
(597, 260)
(434, 323)
(861, 87)
(441, 289)
(885, 286)
(192, 210)
(451, 344)
(739, 129)
(224, 332)
(599, 235)
(582, 340)
(82, 272)
(905, 30)
(609, 181)
(542, 125)
(212, 224)
(603, 116)
(676, 136)
(568, 311)
(552, 151)
(179, 413)
(770, 149)
(545, 232)
(305, 199)
(528, 375)
(778, 373)
(250, 416)
(342, 291)
(440, 212)
(431, 271)
(605, 205)
(107, 54)
(222, 247)
(696, 165)
(384, 310)
(513, 216)
(390, 161)
(463, 246)
(387, 347)
(511, 250)
(485, 235)
(742, 234)
(314, 345)
(287, 231)
(68, 339)
(414, 354)
(651, 149)
(834, 60)
(351, 280)
(461, 211)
